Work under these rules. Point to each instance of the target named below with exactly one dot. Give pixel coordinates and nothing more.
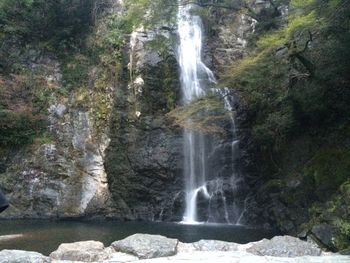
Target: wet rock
(19, 256)
(284, 246)
(147, 246)
(85, 251)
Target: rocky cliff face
(131, 166)
(144, 159)
(112, 150)
(61, 175)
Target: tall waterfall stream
(197, 80)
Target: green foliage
(306, 63)
(329, 169)
(161, 44)
(268, 98)
(106, 43)
(14, 15)
(205, 114)
(48, 20)
(150, 13)
(342, 239)
(296, 84)
(335, 212)
(50, 24)
(44, 138)
(19, 128)
(275, 128)
(75, 72)
(42, 98)
(343, 226)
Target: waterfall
(192, 69)
(195, 77)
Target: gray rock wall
(144, 159)
(62, 176)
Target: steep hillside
(294, 80)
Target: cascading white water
(195, 77)
(193, 73)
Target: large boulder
(85, 251)
(284, 246)
(147, 246)
(19, 256)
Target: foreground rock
(284, 246)
(207, 245)
(18, 256)
(147, 246)
(241, 257)
(85, 251)
(143, 248)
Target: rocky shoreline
(155, 248)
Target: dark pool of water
(44, 236)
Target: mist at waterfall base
(211, 191)
(45, 236)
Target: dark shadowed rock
(284, 246)
(303, 234)
(324, 234)
(147, 246)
